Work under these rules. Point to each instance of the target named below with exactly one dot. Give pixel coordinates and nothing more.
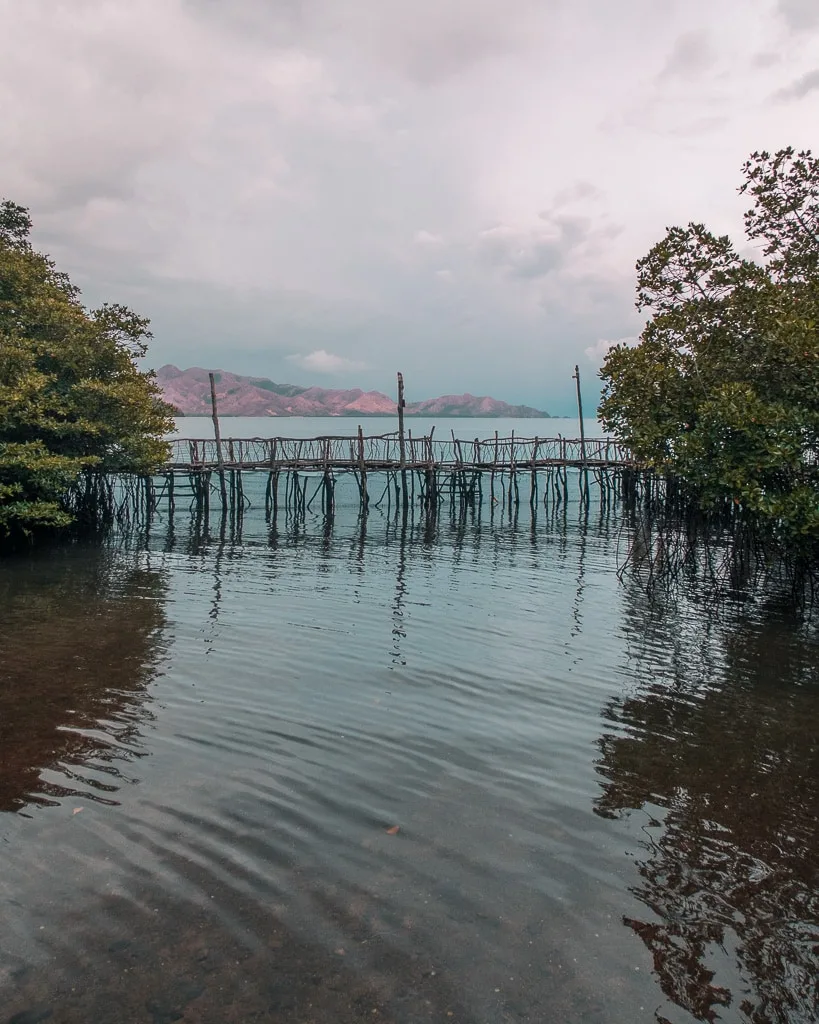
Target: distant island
(188, 391)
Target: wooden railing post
(362, 469)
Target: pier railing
(383, 452)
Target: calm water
(465, 429)
(346, 774)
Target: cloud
(322, 361)
(427, 42)
(464, 188)
(597, 353)
(799, 15)
(580, 192)
(427, 238)
(522, 253)
(533, 251)
(807, 83)
(553, 250)
(691, 55)
(765, 59)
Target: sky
(328, 191)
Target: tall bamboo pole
(362, 469)
(220, 462)
(401, 443)
(576, 376)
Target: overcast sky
(326, 191)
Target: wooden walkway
(398, 469)
(391, 453)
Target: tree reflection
(80, 642)
(723, 756)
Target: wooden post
(362, 469)
(327, 493)
(492, 471)
(218, 434)
(576, 376)
(401, 443)
(513, 473)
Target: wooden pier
(387, 453)
(404, 471)
(399, 469)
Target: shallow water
(366, 772)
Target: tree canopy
(722, 389)
(72, 399)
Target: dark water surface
(607, 808)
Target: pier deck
(405, 471)
(383, 453)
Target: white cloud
(597, 353)
(427, 238)
(322, 361)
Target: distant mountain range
(188, 391)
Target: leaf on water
(394, 830)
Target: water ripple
(475, 776)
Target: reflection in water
(400, 598)
(323, 683)
(80, 642)
(718, 747)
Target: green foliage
(72, 400)
(722, 389)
